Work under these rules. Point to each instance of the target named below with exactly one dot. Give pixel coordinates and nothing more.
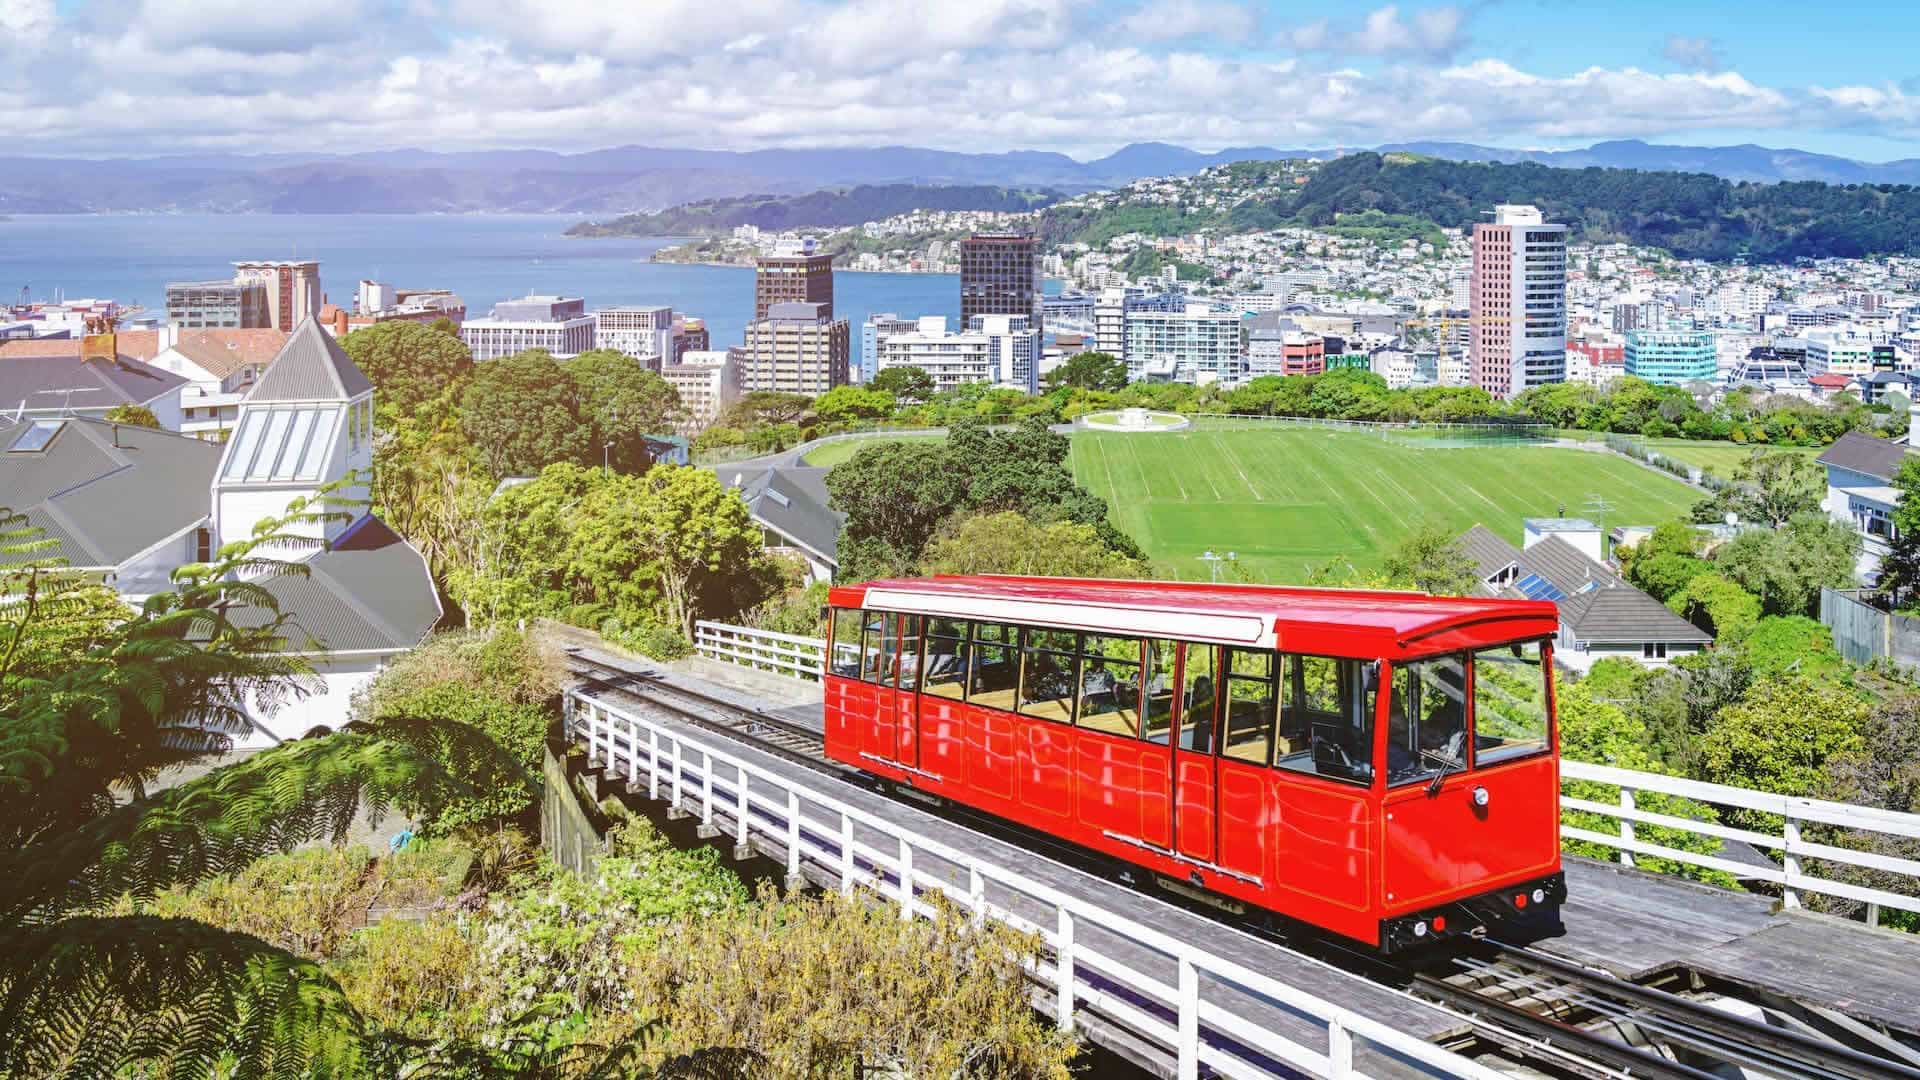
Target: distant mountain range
(647, 179)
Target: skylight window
(36, 437)
(278, 445)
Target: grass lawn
(1287, 501)
(834, 453)
(1718, 458)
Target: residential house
(1600, 614)
(41, 378)
(220, 366)
(1860, 491)
(136, 504)
(790, 504)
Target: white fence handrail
(803, 657)
(693, 765)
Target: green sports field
(1288, 500)
(833, 453)
(1718, 458)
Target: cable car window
(1049, 673)
(946, 666)
(846, 641)
(1509, 703)
(1158, 691)
(1110, 685)
(908, 663)
(996, 665)
(1427, 720)
(1250, 714)
(876, 661)
(1197, 693)
(1326, 717)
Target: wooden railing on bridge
(802, 657)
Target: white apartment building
(643, 331)
(557, 324)
(708, 381)
(1839, 352)
(998, 349)
(1395, 366)
(1197, 345)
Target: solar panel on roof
(1535, 587)
(36, 437)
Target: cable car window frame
(1357, 694)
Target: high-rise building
(1110, 315)
(1278, 346)
(874, 334)
(1671, 356)
(558, 324)
(1519, 312)
(218, 305)
(644, 332)
(798, 277)
(998, 349)
(1000, 275)
(293, 289)
(798, 348)
(1197, 345)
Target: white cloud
(244, 26)
(1699, 53)
(1437, 32)
(638, 31)
(1176, 19)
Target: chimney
(340, 322)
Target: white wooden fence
(700, 773)
(801, 656)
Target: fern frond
(113, 996)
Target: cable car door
(1195, 768)
(906, 695)
(879, 734)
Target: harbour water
(484, 258)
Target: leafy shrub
(306, 901)
(502, 663)
(649, 639)
(414, 978)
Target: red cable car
(1378, 764)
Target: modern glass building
(1671, 356)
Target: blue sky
(1078, 76)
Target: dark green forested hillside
(1692, 215)
(820, 209)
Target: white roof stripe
(1229, 629)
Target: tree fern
(105, 996)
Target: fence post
(1873, 915)
(653, 761)
(846, 853)
(1790, 896)
(1626, 826)
(633, 751)
(793, 838)
(740, 848)
(1188, 1051)
(906, 880)
(977, 893)
(674, 811)
(1063, 967)
(706, 790)
(1339, 1050)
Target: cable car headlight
(1420, 929)
(1480, 796)
(1539, 896)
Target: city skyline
(1074, 76)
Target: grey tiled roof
(1623, 613)
(1860, 453)
(106, 504)
(30, 380)
(1566, 567)
(1489, 553)
(792, 501)
(311, 366)
(372, 591)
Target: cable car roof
(1342, 622)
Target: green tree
(1768, 489)
(1006, 543)
(1718, 606)
(523, 413)
(1431, 560)
(894, 494)
(408, 363)
(1664, 562)
(1793, 644)
(1779, 737)
(1088, 371)
(132, 416)
(623, 401)
(905, 382)
(1900, 570)
(1786, 566)
(845, 404)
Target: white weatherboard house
(1860, 491)
(135, 504)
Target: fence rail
(788, 654)
(695, 773)
(802, 656)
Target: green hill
(820, 209)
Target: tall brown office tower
(801, 277)
(1000, 275)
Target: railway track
(1542, 1013)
